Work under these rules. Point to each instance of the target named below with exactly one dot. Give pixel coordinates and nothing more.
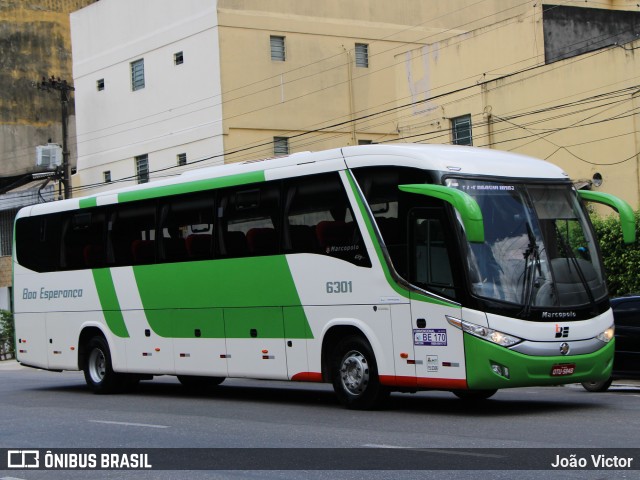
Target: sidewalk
(10, 365)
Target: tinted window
(83, 235)
(319, 219)
(132, 234)
(248, 220)
(38, 242)
(186, 226)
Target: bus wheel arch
(94, 358)
(349, 363)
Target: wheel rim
(354, 373)
(97, 365)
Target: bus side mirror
(464, 204)
(627, 218)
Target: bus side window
(186, 226)
(132, 234)
(83, 240)
(318, 219)
(248, 221)
(38, 242)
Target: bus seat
(262, 241)
(174, 249)
(235, 244)
(93, 255)
(143, 251)
(199, 245)
(303, 239)
(334, 234)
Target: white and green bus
(376, 268)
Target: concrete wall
(577, 112)
(178, 110)
(34, 42)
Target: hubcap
(97, 365)
(354, 372)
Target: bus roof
(445, 158)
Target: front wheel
(601, 386)
(354, 374)
(98, 371)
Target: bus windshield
(538, 251)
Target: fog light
(500, 370)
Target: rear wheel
(98, 371)
(354, 374)
(601, 386)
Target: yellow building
(557, 82)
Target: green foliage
(7, 335)
(621, 262)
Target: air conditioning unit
(48, 156)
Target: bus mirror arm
(627, 218)
(464, 204)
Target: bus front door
(438, 346)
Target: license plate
(563, 369)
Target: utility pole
(64, 88)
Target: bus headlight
(607, 335)
(493, 336)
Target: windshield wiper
(531, 264)
(574, 261)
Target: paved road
(55, 410)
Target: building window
(100, 84)
(280, 146)
(107, 176)
(142, 168)
(137, 74)
(182, 159)
(365, 142)
(362, 55)
(277, 48)
(178, 58)
(461, 130)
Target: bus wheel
(601, 386)
(355, 374)
(197, 383)
(98, 371)
(474, 394)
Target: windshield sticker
(433, 337)
(489, 187)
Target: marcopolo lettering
(559, 314)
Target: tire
(354, 374)
(199, 384)
(601, 386)
(474, 395)
(98, 371)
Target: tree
(621, 262)
(7, 335)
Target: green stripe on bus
(88, 202)
(387, 273)
(181, 297)
(109, 302)
(191, 187)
